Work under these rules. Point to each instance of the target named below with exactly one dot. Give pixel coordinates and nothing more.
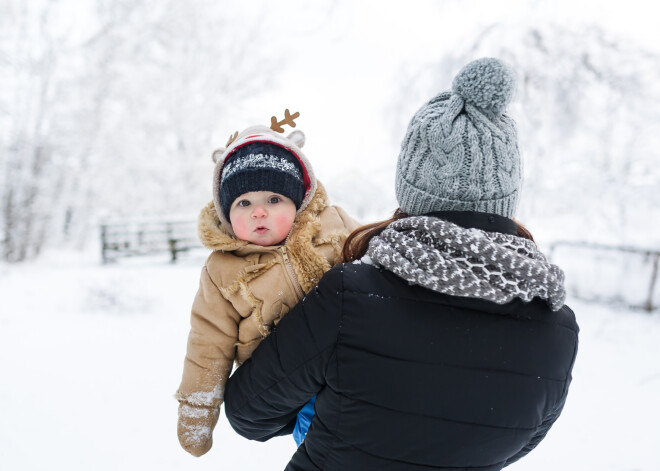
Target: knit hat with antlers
(262, 159)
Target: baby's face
(262, 217)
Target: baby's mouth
(261, 230)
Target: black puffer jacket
(407, 378)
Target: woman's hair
(357, 242)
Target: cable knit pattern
(487, 83)
(449, 259)
(460, 152)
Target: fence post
(129, 239)
(654, 277)
(652, 256)
(104, 241)
(171, 241)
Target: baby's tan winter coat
(244, 290)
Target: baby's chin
(267, 239)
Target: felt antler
(276, 125)
(232, 138)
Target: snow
(91, 356)
(194, 412)
(367, 260)
(206, 398)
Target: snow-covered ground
(91, 355)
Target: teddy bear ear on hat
(297, 137)
(486, 83)
(217, 154)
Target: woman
(446, 343)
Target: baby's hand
(195, 427)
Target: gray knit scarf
(449, 259)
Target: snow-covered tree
(587, 126)
(113, 108)
(34, 112)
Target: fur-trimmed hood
(315, 241)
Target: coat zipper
(292, 274)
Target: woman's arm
(540, 433)
(264, 395)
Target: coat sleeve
(264, 395)
(211, 345)
(349, 223)
(549, 419)
(208, 362)
(540, 434)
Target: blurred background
(109, 113)
(111, 109)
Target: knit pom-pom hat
(460, 152)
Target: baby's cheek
(240, 228)
(283, 223)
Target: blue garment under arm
(303, 420)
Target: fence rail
(609, 273)
(131, 239)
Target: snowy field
(91, 355)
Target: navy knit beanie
(261, 166)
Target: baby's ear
(297, 137)
(217, 154)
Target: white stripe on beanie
(255, 161)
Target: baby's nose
(259, 212)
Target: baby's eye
(243, 203)
(274, 199)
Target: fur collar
(308, 233)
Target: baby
(273, 236)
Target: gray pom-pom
(486, 83)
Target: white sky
(342, 59)
(343, 62)
(343, 74)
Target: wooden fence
(610, 274)
(131, 239)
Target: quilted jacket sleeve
(540, 434)
(264, 395)
(208, 363)
(549, 419)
